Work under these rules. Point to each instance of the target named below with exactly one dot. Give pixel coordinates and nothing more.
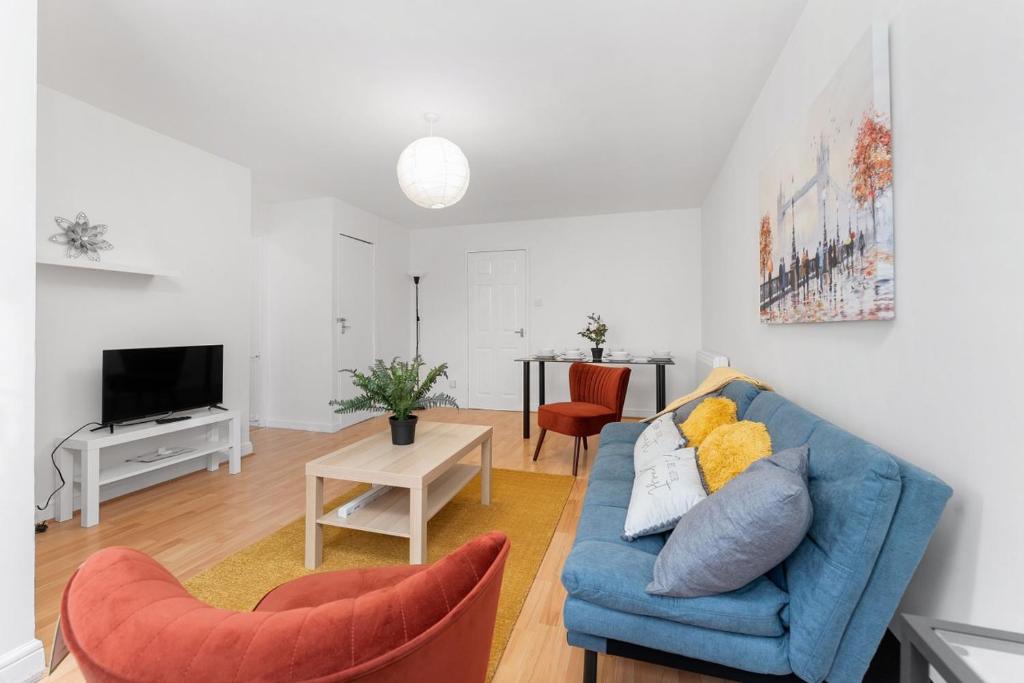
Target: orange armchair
(597, 395)
(126, 618)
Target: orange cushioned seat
(126, 618)
(575, 419)
(597, 395)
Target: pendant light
(432, 171)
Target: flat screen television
(140, 383)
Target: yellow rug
(524, 505)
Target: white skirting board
(328, 427)
(23, 664)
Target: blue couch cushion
(588, 622)
(742, 394)
(614, 462)
(605, 523)
(610, 492)
(739, 392)
(788, 424)
(622, 432)
(922, 498)
(612, 468)
(854, 489)
(614, 576)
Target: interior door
(354, 318)
(497, 328)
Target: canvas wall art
(826, 209)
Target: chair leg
(584, 443)
(575, 455)
(589, 666)
(60, 648)
(540, 442)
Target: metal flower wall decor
(80, 237)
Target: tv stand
(216, 406)
(208, 434)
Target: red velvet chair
(597, 393)
(126, 618)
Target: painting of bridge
(825, 233)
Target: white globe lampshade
(433, 172)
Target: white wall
(21, 655)
(166, 203)
(393, 291)
(297, 246)
(297, 258)
(939, 386)
(640, 271)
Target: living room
(418, 341)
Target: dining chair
(597, 394)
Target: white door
(354, 318)
(497, 328)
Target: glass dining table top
(603, 361)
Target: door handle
(521, 332)
(342, 322)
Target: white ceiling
(564, 107)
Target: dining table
(541, 361)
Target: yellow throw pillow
(729, 450)
(711, 414)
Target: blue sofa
(819, 615)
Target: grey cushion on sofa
(739, 533)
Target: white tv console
(94, 475)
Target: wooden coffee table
(425, 476)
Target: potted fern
(398, 389)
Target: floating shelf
(83, 263)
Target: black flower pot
(597, 351)
(403, 432)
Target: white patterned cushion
(661, 436)
(663, 492)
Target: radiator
(706, 361)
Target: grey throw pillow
(739, 533)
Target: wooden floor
(193, 522)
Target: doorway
(497, 328)
(354, 318)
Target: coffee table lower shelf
(389, 514)
(425, 476)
